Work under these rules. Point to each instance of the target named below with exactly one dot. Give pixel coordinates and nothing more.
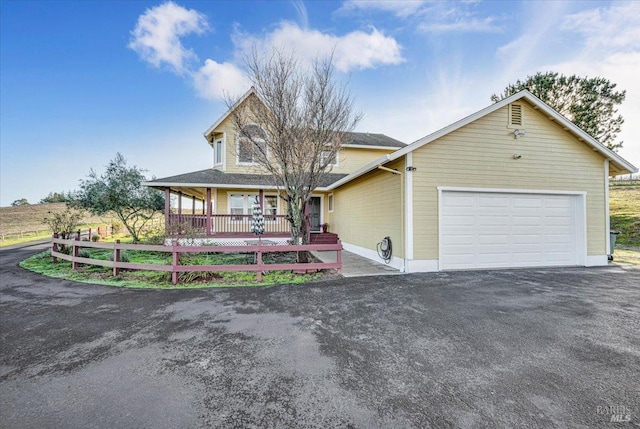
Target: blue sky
(83, 80)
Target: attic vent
(516, 115)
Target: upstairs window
(324, 158)
(251, 144)
(217, 152)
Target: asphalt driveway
(530, 348)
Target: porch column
(204, 207)
(193, 205)
(208, 210)
(180, 204)
(261, 200)
(306, 220)
(167, 209)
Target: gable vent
(516, 114)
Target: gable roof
(553, 115)
(355, 140)
(219, 179)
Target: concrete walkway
(356, 266)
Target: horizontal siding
(369, 209)
(480, 155)
(350, 159)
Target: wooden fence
(258, 249)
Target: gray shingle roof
(370, 139)
(211, 177)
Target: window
(270, 206)
(217, 152)
(325, 156)
(330, 202)
(250, 144)
(237, 204)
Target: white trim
(331, 203)
(596, 261)
(228, 112)
(607, 214)
(408, 212)
(218, 185)
(364, 146)
(395, 262)
(422, 265)
(524, 94)
(510, 191)
(222, 151)
(580, 215)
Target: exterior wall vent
(515, 115)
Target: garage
(510, 229)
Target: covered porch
(216, 204)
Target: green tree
(20, 202)
(63, 223)
(120, 190)
(55, 197)
(590, 103)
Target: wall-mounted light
(519, 133)
(411, 168)
(517, 156)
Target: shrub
(84, 253)
(95, 237)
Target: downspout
(402, 210)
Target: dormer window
(251, 144)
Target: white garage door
(500, 230)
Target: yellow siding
(480, 155)
(369, 208)
(350, 159)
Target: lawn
(625, 214)
(42, 263)
(624, 201)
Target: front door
(314, 214)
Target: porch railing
(230, 223)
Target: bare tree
(293, 126)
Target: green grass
(42, 263)
(624, 204)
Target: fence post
(74, 265)
(176, 262)
(116, 257)
(54, 247)
(259, 262)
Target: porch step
(324, 238)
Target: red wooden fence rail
(176, 250)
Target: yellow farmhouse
(513, 185)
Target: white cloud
(156, 37)
(401, 8)
(463, 25)
(433, 17)
(353, 51)
(610, 48)
(301, 11)
(216, 80)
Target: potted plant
(325, 226)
